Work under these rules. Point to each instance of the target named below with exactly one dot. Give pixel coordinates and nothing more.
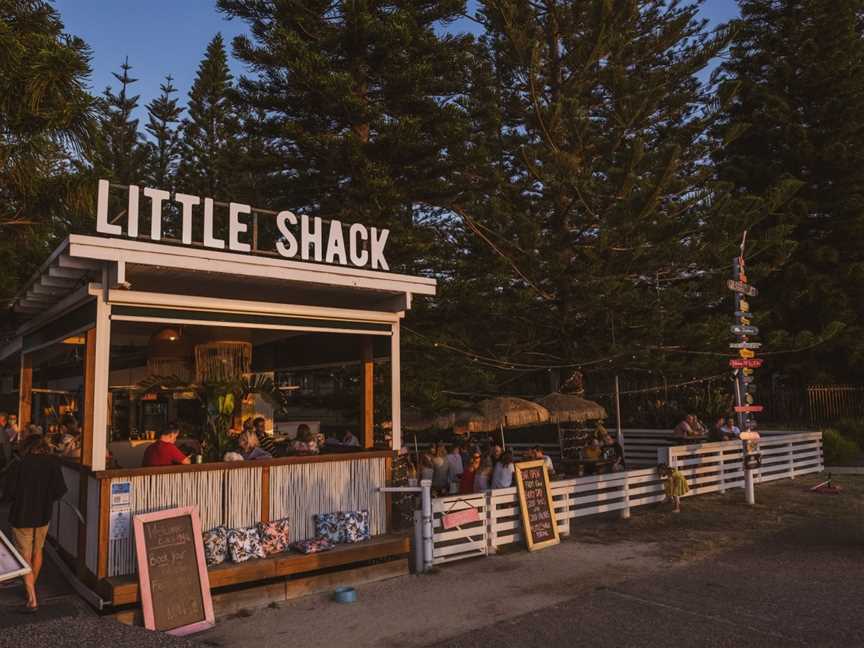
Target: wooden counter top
(239, 465)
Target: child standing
(676, 485)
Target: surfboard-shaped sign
(741, 287)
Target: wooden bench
(123, 590)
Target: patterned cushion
(215, 545)
(312, 546)
(354, 526)
(274, 536)
(327, 525)
(244, 544)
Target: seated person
(264, 440)
(305, 441)
(538, 454)
(613, 451)
(592, 451)
(729, 431)
(348, 439)
(249, 448)
(164, 451)
(689, 427)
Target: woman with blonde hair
(250, 448)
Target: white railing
(709, 467)
(716, 467)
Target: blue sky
(170, 36)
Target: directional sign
(739, 329)
(747, 409)
(745, 345)
(748, 398)
(745, 363)
(741, 287)
(744, 321)
(746, 371)
(744, 305)
(746, 353)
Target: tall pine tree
(360, 104)
(163, 115)
(120, 155)
(798, 123)
(208, 165)
(46, 120)
(603, 209)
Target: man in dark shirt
(33, 485)
(164, 452)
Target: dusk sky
(169, 36)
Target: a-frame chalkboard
(535, 502)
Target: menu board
(175, 590)
(535, 502)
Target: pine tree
(360, 98)
(797, 123)
(46, 119)
(209, 151)
(603, 210)
(163, 115)
(120, 154)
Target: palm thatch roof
(509, 412)
(570, 408)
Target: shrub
(852, 428)
(838, 449)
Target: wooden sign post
(172, 573)
(535, 502)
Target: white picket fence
(709, 467)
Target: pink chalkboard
(172, 572)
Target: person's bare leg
(37, 565)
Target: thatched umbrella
(570, 408)
(462, 420)
(509, 411)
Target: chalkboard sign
(535, 502)
(172, 574)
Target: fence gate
(464, 538)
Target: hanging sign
(746, 353)
(738, 329)
(300, 236)
(748, 409)
(741, 287)
(745, 345)
(745, 363)
(460, 518)
(172, 574)
(535, 502)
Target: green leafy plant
(221, 401)
(838, 449)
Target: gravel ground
(86, 632)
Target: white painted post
(750, 493)
(625, 512)
(722, 468)
(492, 534)
(100, 382)
(395, 388)
(426, 507)
(791, 460)
(418, 542)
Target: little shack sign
(299, 235)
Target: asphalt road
(803, 587)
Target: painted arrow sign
(745, 345)
(748, 409)
(741, 287)
(745, 363)
(746, 353)
(738, 329)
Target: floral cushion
(215, 545)
(354, 526)
(244, 544)
(312, 546)
(274, 536)
(327, 525)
